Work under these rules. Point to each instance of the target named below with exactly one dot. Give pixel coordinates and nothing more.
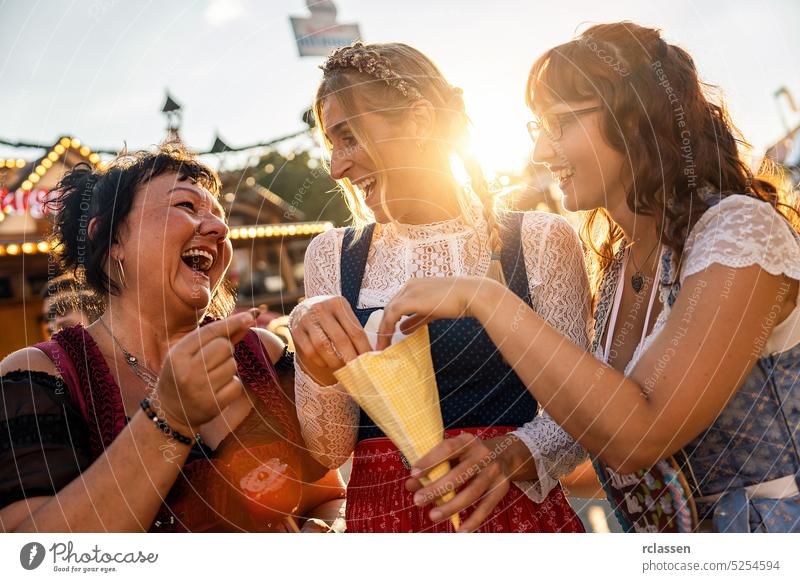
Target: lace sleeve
(328, 416)
(553, 450)
(741, 231)
(321, 264)
(557, 275)
(560, 295)
(328, 420)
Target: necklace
(637, 279)
(150, 378)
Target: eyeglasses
(553, 125)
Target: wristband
(162, 425)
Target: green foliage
(303, 183)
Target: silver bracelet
(293, 314)
(303, 306)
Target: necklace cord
(151, 379)
(140, 369)
(650, 254)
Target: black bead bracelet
(286, 362)
(166, 428)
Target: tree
(303, 183)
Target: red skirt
(378, 501)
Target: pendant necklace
(146, 374)
(637, 279)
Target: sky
(98, 69)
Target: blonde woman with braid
(392, 123)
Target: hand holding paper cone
(397, 389)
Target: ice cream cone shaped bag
(397, 389)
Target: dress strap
(92, 387)
(513, 256)
(354, 262)
(355, 252)
(258, 373)
(605, 298)
(612, 323)
(612, 320)
(63, 363)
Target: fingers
(463, 499)
(229, 392)
(321, 346)
(448, 449)
(354, 330)
(413, 485)
(394, 310)
(306, 352)
(341, 325)
(193, 412)
(391, 315)
(407, 302)
(342, 347)
(232, 327)
(484, 482)
(238, 336)
(413, 323)
(454, 479)
(217, 352)
(222, 374)
(328, 334)
(198, 377)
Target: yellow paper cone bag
(397, 389)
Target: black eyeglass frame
(551, 124)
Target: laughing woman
(392, 124)
(100, 427)
(690, 400)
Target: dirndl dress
(479, 393)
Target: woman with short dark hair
(159, 416)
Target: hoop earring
(121, 273)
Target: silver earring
(121, 273)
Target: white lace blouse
(329, 418)
(738, 232)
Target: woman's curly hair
(106, 196)
(674, 130)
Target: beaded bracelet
(166, 428)
(286, 361)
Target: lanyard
(612, 322)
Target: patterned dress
(756, 437)
(479, 393)
(52, 429)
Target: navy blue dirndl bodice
(476, 387)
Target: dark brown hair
(673, 128)
(107, 196)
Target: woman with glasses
(552, 124)
(392, 124)
(689, 401)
